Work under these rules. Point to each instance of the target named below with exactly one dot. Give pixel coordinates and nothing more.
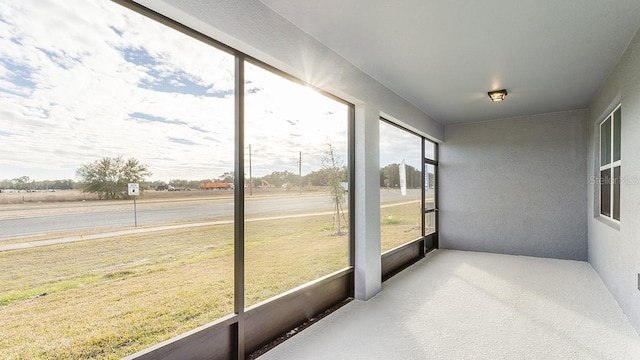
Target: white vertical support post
(368, 265)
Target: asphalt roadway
(39, 220)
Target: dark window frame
(248, 329)
(424, 210)
(433, 162)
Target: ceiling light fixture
(497, 95)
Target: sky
(86, 79)
(397, 144)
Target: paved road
(92, 215)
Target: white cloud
(83, 91)
(397, 144)
(68, 92)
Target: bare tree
(333, 166)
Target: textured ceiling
(443, 56)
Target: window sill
(611, 223)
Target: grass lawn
(112, 297)
(399, 225)
(108, 298)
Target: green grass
(399, 225)
(390, 220)
(108, 298)
(110, 306)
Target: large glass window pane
(430, 187)
(296, 185)
(605, 192)
(616, 193)
(617, 120)
(93, 97)
(429, 150)
(401, 165)
(605, 142)
(429, 223)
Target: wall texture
(614, 250)
(516, 186)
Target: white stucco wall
(516, 186)
(614, 251)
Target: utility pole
(250, 178)
(300, 170)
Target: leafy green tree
(390, 176)
(323, 176)
(22, 183)
(227, 177)
(179, 184)
(279, 178)
(108, 177)
(60, 184)
(155, 184)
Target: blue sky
(80, 80)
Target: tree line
(390, 176)
(27, 184)
(277, 179)
(109, 176)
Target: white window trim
(611, 165)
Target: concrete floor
(467, 305)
